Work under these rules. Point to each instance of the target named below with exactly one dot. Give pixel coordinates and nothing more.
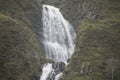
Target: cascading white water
(47, 69)
(57, 77)
(59, 37)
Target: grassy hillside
(20, 50)
(97, 52)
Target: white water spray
(47, 69)
(59, 37)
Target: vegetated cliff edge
(97, 52)
(20, 50)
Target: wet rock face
(59, 67)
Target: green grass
(20, 50)
(97, 45)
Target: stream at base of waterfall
(59, 42)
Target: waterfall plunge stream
(59, 38)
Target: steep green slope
(20, 50)
(97, 52)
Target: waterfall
(47, 69)
(59, 38)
